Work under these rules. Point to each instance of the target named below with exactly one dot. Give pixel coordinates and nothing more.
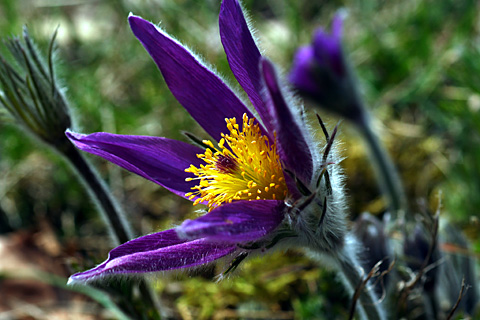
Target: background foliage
(419, 65)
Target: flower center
(245, 166)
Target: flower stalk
(333, 241)
(358, 281)
(32, 97)
(119, 229)
(386, 173)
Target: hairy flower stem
(357, 281)
(345, 261)
(355, 278)
(387, 175)
(111, 212)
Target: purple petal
(155, 252)
(337, 25)
(328, 46)
(243, 55)
(160, 160)
(235, 222)
(292, 147)
(301, 75)
(202, 93)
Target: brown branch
(380, 279)
(423, 269)
(361, 286)
(461, 294)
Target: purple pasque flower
(321, 73)
(241, 176)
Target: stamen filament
(244, 166)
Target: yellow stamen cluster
(245, 166)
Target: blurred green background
(419, 67)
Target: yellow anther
(238, 168)
(208, 143)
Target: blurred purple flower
(417, 247)
(370, 232)
(241, 178)
(320, 72)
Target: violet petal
(328, 46)
(292, 147)
(201, 92)
(243, 55)
(301, 75)
(160, 160)
(155, 252)
(337, 25)
(235, 222)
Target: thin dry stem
(374, 272)
(461, 294)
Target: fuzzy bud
(320, 72)
(417, 248)
(30, 93)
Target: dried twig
(461, 294)
(423, 269)
(361, 286)
(381, 277)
